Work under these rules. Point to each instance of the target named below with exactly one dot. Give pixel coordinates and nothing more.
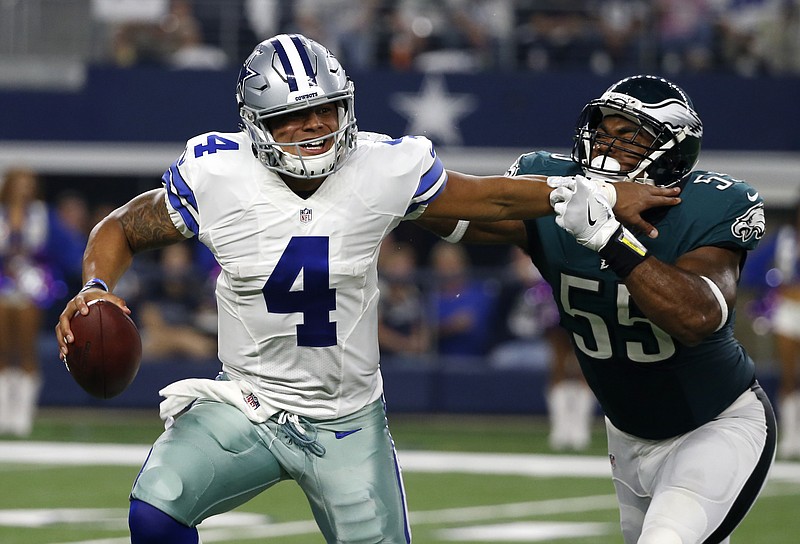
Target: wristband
(723, 305)
(623, 252)
(458, 232)
(95, 283)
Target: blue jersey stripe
(286, 63)
(426, 201)
(304, 57)
(431, 185)
(181, 197)
(430, 178)
(182, 188)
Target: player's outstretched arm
(141, 224)
(630, 200)
(491, 198)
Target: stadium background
(87, 121)
(84, 120)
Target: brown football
(105, 356)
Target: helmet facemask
(287, 157)
(286, 74)
(664, 114)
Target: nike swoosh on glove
(583, 210)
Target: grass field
(469, 479)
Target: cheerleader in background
(27, 288)
(786, 330)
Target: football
(105, 356)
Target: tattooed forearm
(146, 223)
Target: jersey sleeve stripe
(181, 197)
(431, 184)
(181, 188)
(431, 180)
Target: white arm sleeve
(723, 305)
(458, 232)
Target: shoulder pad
(545, 163)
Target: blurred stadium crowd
(442, 304)
(745, 37)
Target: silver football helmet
(291, 72)
(658, 107)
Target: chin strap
(316, 166)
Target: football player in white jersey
(294, 208)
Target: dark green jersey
(647, 383)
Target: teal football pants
(213, 459)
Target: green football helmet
(659, 107)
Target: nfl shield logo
(252, 401)
(305, 215)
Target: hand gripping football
(105, 356)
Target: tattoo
(147, 224)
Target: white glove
(561, 181)
(607, 188)
(583, 210)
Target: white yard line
(72, 453)
(69, 453)
(583, 466)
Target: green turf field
(469, 479)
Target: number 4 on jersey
(214, 143)
(309, 255)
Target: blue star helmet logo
(246, 73)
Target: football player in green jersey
(691, 434)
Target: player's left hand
(633, 199)
(583, 210)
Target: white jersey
(298, 292)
